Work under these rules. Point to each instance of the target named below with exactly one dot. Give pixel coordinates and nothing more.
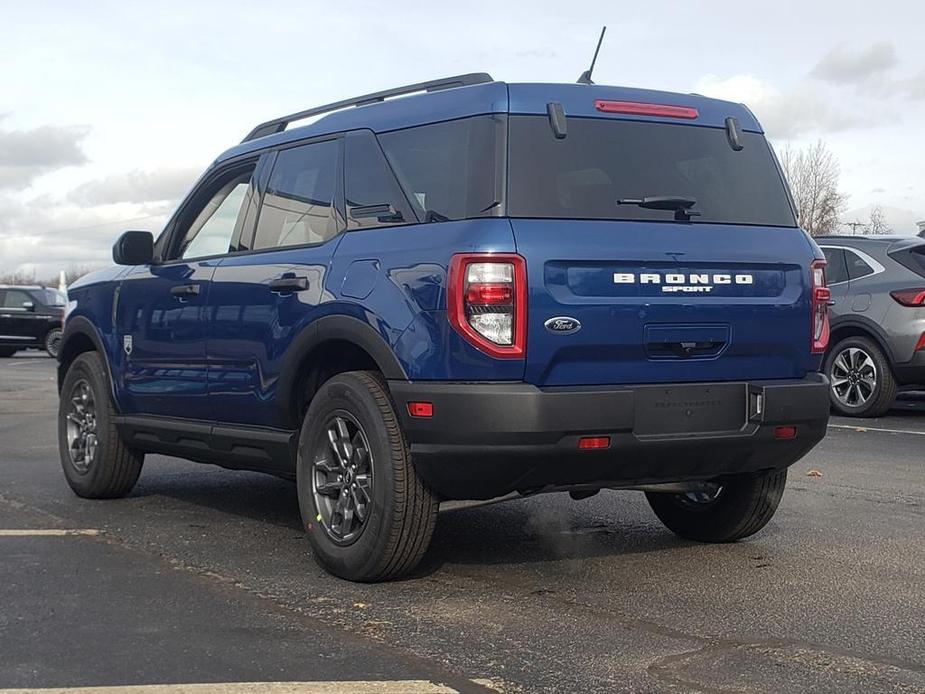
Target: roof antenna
(586, 75)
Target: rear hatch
(628, 293)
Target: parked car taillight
(909, 297)
(487, 302)
(822, 295)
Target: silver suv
(878, 320)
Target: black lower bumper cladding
(488, 439)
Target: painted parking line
(358, 687)
(862, 429)
(47, 532)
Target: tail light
(822, 295)
(487, 302)
(909, 297)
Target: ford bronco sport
(475, 290)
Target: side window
(857, 266)
(14, 298)
(373, 196)
(298, 207)
(220, 220)
(836, 270)
(451, 170)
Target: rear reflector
(636, 108)
(593, 443)
(921, 343)
(909, 297)
(785, 432)
(421, 409)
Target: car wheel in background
(368, 515)
(53, 342)
(97, 464)
(732, 508)
(861, 380)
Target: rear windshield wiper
(681, 204)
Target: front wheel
(368, 515)
(96, 462)
(53, 342)
(7, 352)
(728, 510)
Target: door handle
(288, 284)
(185, 290)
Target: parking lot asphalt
(203, 575)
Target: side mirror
(134, 248)
(28, 305)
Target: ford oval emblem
(563, 325)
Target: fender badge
(127, 344)
(563, 325)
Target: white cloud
(135, 186)
(846, 64)
(27, 154)
(798, 111)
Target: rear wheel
(732, 508)
(861, 380)
(369, 516)
(53, 342)
(7, 352)
(97, 464)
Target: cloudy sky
(109, 110)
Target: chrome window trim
(874, 264)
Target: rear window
(599, 162)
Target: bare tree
(877, 223)
(813, 176)
(19, 277)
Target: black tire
(7, 352)
(744, 505)
(113, 469)
(52, 342)
(884, 391)
(401, 511)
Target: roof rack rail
(277, 125)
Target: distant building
(921, 227)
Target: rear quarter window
(450, 170)
(857, 266)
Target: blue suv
(475, 290)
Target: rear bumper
(489, 439)
(911, 372)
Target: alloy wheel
(854, 377)
(82, 441)
(53, 343)
(342, 478)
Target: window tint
(15, 298)
(51, 297)
(298, 206)
(857, 267)
(369, 183)
(835, 271)
(451, 170)
(212, 231)
(602, 161)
